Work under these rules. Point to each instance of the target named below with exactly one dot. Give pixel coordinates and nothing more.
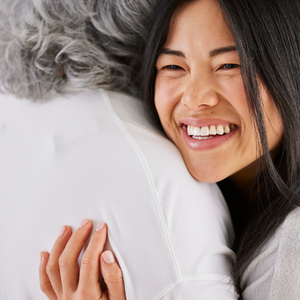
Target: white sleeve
(286, 280)
(274, 272)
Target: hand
(60, 276)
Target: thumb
(113, 276)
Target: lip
(208, 144)
(203, 122)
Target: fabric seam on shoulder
(155, 197)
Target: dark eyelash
(229, 66)
(172, 67)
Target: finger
(52, 268)
(69, 269)
(113, 276)
(90, 269)
(45, 283)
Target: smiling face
(200, 97)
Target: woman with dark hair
(247, 75)
(221, 78)
(253, 62)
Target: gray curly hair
(88, 43)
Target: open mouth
(209, 136)
(208, 132)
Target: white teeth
(227, 129)
(220, 130)
(204, 131)
(212, 130)
(202, 137)
(197, 131)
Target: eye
(229, 66)
(172, 67)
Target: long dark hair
(267, 38)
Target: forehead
(198, 22)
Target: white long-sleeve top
(93, 155)
(274, 273)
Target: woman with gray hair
(46, 45)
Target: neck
(243, 180)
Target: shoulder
(291, 228)
(274, 272)
(286, 279)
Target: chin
(205, 174)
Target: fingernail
(108, 257)
(83, 223)
(41, 257)
(62, 230)
(100, 226)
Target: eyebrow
(212, 53)
(221, 51)
(171, 52)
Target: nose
(200, 94)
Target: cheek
(245, 148)
(159, 98)
(236, 91)
(274, 127)
(165, 99)
(235, 94)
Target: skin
(196, 83)
(60, 275)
